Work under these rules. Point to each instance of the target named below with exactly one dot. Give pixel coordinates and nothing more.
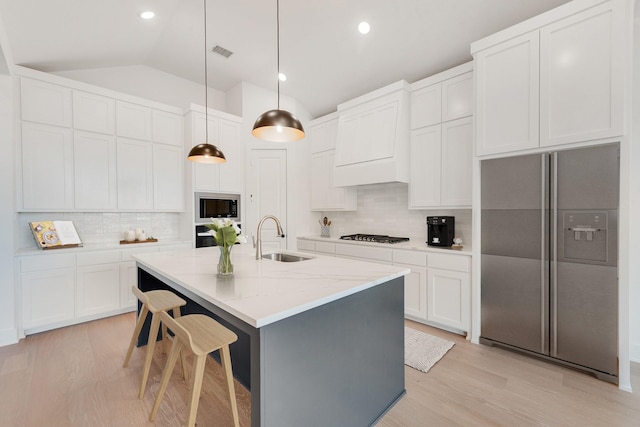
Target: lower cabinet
(415, 292)
(97, 283)
(48, 297)
(448, 298)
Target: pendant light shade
(278, 125)
(205, 152)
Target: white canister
(130, 235)
(141, 236)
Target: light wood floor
(74, 377)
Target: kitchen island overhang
(321, 342)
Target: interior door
(267, 194)
(514, 280)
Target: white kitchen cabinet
(94, 166)
(442, 97)
(133, 121)
(441, 157)
(167, 128)
(448, 298)
(44, 102)
(47, 167)
(551, 80)
(135, 174)
(581, 79)
(97, 283)
(373, 138)
(224, 133)
(325, 196)
(93, 113)
(168, 191)
(415, 292)
(507, 96)
(449, 291)
(48, 296)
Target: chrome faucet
(258, 244)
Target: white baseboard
(8, 337)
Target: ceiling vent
(222, 51)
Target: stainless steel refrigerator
(549, 283)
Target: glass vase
(225, 267)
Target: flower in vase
(226, 232)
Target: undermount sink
(282, 257)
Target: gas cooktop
(376, 238)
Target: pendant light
(278, 125)
(205, 152)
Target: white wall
(8, 330)
(149, 83)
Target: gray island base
(337, 364)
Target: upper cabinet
(373, 138)
(84, 150)
(224, 133)
(554, 79)
(325, 196)
(441, 144)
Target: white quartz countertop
(410, 245)
(262, 292)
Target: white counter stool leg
(156, 302)
(202, 335)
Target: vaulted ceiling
(326, 59)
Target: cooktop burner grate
(376, 238)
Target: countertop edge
(411, 245)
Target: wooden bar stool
(156, 302)
(202, 335)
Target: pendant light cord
(278, 43)
(206, 85)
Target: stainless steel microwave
(216, 205)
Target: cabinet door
(232, 171)
(206, 176)
(448, 298)
(457, 154)
(48, 297)
(424, 185)
(135, 175)
(168, 128)
(94, 161)
(167, 177)
(457, 97)
(47, 167)
(426, 106)
(319, 181)
(133, 121)
(93, 113)
(507, 96)
(415, 292)
(98, 289)
(318, 138)
(45, 103)
(581, 77)
(128, 278)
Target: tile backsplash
(382, 209)
(103, 228)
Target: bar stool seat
(202, 335)
(156, 302)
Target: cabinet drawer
(47, 262)
(127, 255)
(325, 247)
(306, 245)
(98, 258)
(449, 262)
(366, 252)
(410, 257)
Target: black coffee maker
(441, 230)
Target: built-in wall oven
(216, 205)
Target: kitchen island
(320, 341)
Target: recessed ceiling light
(364, 27)
(282, 77)
(147, 14)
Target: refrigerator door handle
(544, 255)
(553, 262)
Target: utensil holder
(325, 231)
